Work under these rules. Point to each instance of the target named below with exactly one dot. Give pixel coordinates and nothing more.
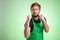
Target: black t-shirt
(32, 25)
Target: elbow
(26, 36)
(47, 31)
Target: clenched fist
(29, 17)
(42, 17)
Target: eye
(33, 9)
(36, 9)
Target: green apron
(37, 33)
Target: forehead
(35, 7)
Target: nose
(34, 10)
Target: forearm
(27, 29)
(46, 28)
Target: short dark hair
(36, 4)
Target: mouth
(35, 15)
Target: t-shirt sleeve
(31, 25)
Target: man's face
(35, 10)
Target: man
(35, 24)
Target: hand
(29, 17)
(42, 17)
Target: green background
(13, 16)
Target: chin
(35, 15)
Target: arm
(46, 28)
(27, 28)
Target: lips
(35, 15)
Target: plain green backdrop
(13, 16)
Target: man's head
(35, 9)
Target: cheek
(33, 12)
(37, 11)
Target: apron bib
(37, 33)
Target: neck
(36, 18)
